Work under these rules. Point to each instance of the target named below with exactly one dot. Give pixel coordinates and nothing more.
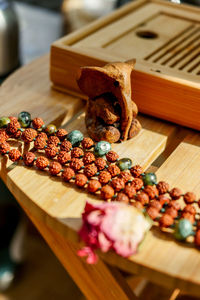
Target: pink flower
(112, 226)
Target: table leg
(97, 282)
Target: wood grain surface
(55, 207)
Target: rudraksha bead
(42, 162)
(197, 238)
(175, 193)
(28, 135)
(51, 151)
(113, 170)
(151, 190)
(118, 184)
(88, 158)
(188, 216)
(100, 163)
(152, 212)
(3, 136)
(77, 152)
(172, 212)
(14, 155)
(166, 220)
(121, 197)
(55, 168)
(138, 205)
(156, 204)
(189, 208)
(136, 171)
(189, 198)
(112, 156)
(143, 198)
(37, 123)
(93, 186)
(43, 135)
(16, 135)
(90, 170)
(66, 146)
(104, 177)
(4, 147)
(125, 175)
(76, 164)
(13, 118)
(107, 192)
(174, 204)
(162, 187)
(13, 127)
(40, 143)
(81, 180)
(53, 140)
(68, 174)
(137, 183)
(61, 134)
(64, 157)
(163, 199)
(130, 191)
(87, 143)
(29, 158)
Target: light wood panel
(56, 207)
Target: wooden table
(55, 207)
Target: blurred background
(28, 269)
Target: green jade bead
(149, 179)
(51, 129)
(75, 137)
(183, 229)
(4, 121)
(24, 119)
(124, 164)
(101, 148)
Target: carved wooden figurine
(111, 112)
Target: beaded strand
(98, 169)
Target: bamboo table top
(171, 150)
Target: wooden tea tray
(55, 207)
(162, 36)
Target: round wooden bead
(189, 198)
(87, 143)
(152, 212)
(151, 191)
(175, 193)
(112, 156)
(174, 204)
(107, 192)
(29, 159)
(88, 158)
(137, 183)
(42, 162)
(90, 170)
(81, 180)
(37, 123)
(104, 177)
(76, 164)
(143, 198)
(3, 135)
(163, 199)
(136, 171)
(55, 168)
(14, 155)
(162, 187)
(13, 127)
(28, 135)
(125, 176)
(189, 208)
(68, 174)
(118, 184)
(156, 204)
(100, 163)
(51, 151)
(172, 212)
(93, 186)
(121, 197)
(64, 157)
(40, 143)
(130, 191)
(53, 140)
(77, 152)
(61, 133)
(166, 220)
(113, 170)
(66, 146)
(4, 148)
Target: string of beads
(95, 167)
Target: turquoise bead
(75, 137)
(102, 148)
(124, 164)
(24, 119)
(183, 229)
(4, 121)
(51, 129)
(149, 179)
